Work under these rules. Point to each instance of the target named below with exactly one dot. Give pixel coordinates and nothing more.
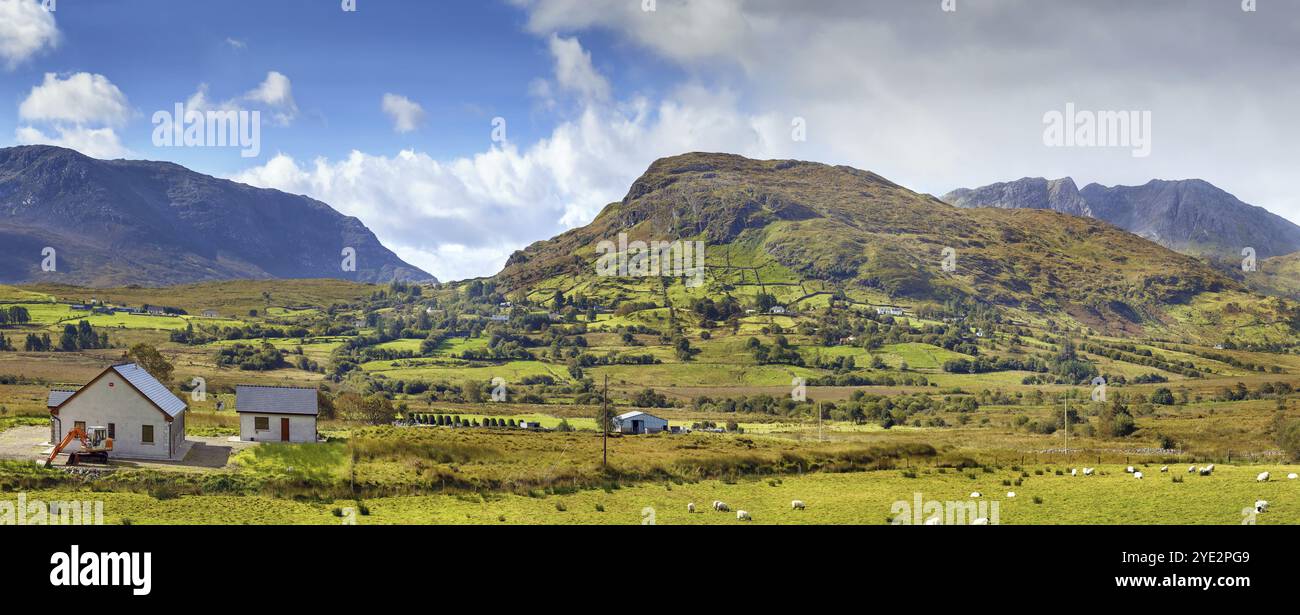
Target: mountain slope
(1190, 216)
(119, 222)
(814, 226)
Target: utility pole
(604, 424)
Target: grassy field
(871, 498)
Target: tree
(151, 360)
(324, 405)
(1162, 396)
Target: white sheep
(1261, 506)
(1262, 478)
(1088, 471)
(1011, 494)
(743, 515)
(1074, 471)
(975, 494)
(1129, 469)
(980, 521)
(721, 506)
(1164, 468)
(1191, 469)
(1137, 475)
(1207, 470)
(1291, 476)
(690, 508)
(797, 505)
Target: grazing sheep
(1191, 469)
(1087, 471)
(1207, 470)
(975, 494)
(721, 506)
(1137, 475)
(1261, 506)
(980, 521)
(1074, 471)
(1164, 468)
(934, 521)
(1262, 478)
(743, 515)
(1011, 494)
(690, 508)
(1291, 476)
(797, 505)
(1129, 469)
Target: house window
(262, 423)
(80, 426)
(112, 430)
(146, 434)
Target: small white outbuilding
(639, 423)
(276, 414)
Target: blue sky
(593, 91)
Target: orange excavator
(95, 444)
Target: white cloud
(276, 92)
(406, 115)
(463, 217)
(80, 98)
(26, 29)
(574, 70)
(236, 44)
(82, 110)
(93, 142)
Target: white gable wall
(111, 399)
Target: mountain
(801, 228)
(122, 222)
(1191, 216)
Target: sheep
(797, 505)
(975, 494)
(1011, 494)
(1088, 471)
(980, 521)
(1207, 470)
(1137, 475)
(1191, 469)
(1262, 478)
(1074, 471)
(934, 521)
(721, 506)
(690, 508)
(1129, 469)
(1291, 476)
(743, 515)
(1261, 506)
(1164, 468)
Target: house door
(284, 430)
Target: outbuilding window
(146, 434)
(262, 423)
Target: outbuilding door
(284, 430)
(638, 426)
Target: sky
(462, 130)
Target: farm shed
(144, 419)
(639, 422)
(276, 414)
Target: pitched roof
(275, 400)
(58, 396)
(631, 415)
(149, 386)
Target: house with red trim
(144, 419)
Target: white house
(276, 414)
(638, 423)
(144, 419)
(778, 309)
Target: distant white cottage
(889, 311)
(639, 423)
(144, 419)
(276, 414)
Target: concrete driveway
(205, 453)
